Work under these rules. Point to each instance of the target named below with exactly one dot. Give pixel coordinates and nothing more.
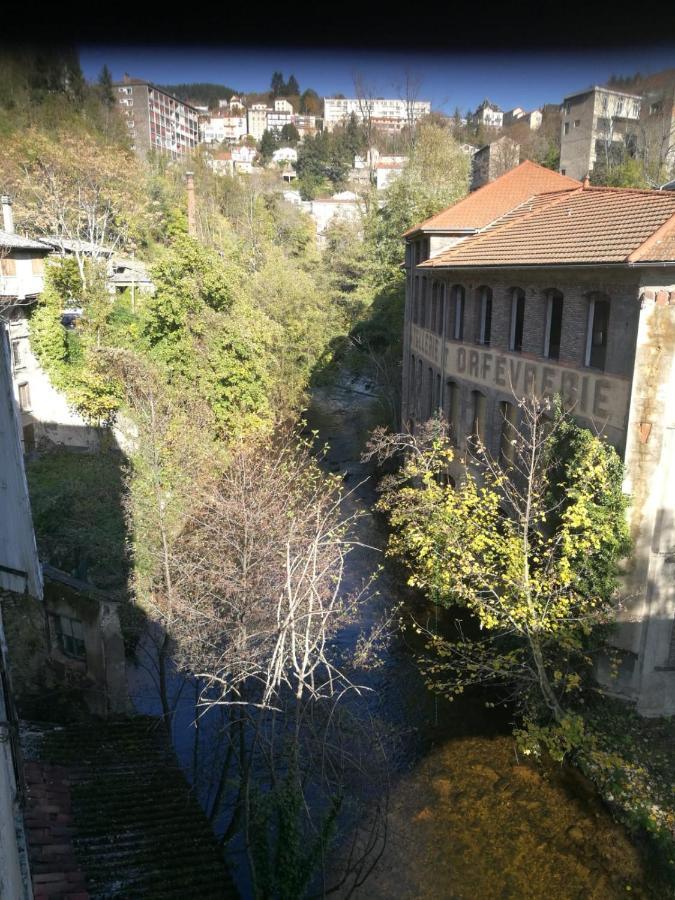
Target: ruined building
(538, 283)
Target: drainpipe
(7, 215)
(192, 217)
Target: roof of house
(493, 200)
(12, 241)
(110, 814)
(587, 225)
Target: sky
(448, 80)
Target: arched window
(430, 393)
(507, 413)
(441, 308)
(478, 408)
(598, 327)
(517, 320)
(485, 329)
(434, 305)
(452, 411)
(553, 330)
(457, 310)
(423, 305)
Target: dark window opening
(599, 325)
(517, 319)
(485, 295)
(553, 325)
(70, 636)
(458, 324)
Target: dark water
(466, 818)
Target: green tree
(292, 87)
(105, 86)
(268, 144)
(289, 135)
(277, 85)
(529, 544)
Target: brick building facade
(566, 290)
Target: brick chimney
(191, 211)
(7, 215)
(586, 183)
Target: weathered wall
(630, 402)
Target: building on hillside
(45, 415)
(487, 114)
(532, 119)
(536, 283)
(156, 120)
(388, 115)
(307, 125)
(285, 155)
(221, 162)
(597, 122)
(257, 119)
(221, 127)
(131, 275)
(493, 160)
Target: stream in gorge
(459, 815)
(467, 819)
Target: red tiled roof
(495, 199)
(593, 225)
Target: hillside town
(337, 490)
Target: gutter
(572, 265)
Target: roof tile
(479, 208)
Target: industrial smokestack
(7, 215)
(191, 210)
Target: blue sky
(448, 80)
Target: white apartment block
(390, 115)
(218, 128)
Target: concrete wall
(47, 419)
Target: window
(563, 171)
(603, 124)
(38, 265)
(553, 331)
(452, 411)
(577, 123)
(567, 127)
(423, 306)
(18, 354)
(478, 403)
(619, 106)
(441, 308)
(24, 397)
(430, 393)
(598, 325)
(458, 324)
(70, 636)
(7, 266)
(434, 305)
(507, 412)
(655, 108)
(485, 295)
(517, 320)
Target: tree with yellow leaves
(529, 544)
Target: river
(467, 818)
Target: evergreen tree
(105, 87)
(268, 144)
(277, 85)
(292, 87)
(290, 134)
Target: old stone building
(535, 285)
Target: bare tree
(409, 93)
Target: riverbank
(466, 817)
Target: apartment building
(535, 283)
(156, 121)
(386, 114)
(596, 121)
